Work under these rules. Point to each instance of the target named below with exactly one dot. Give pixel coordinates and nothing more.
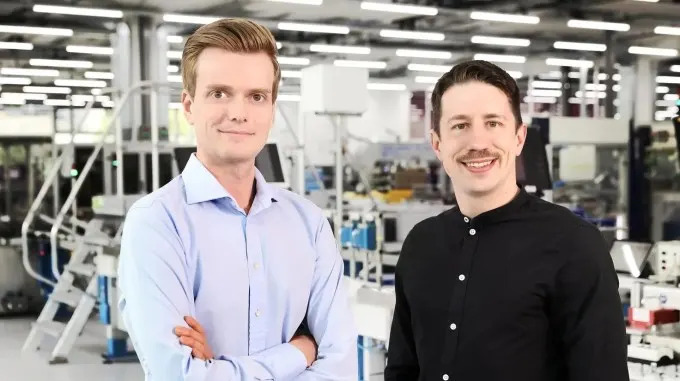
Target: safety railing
(59, 219)
(37, 203)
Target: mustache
(483, 154)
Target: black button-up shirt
(525, 292)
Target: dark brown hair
(235, 35)
(480, 71)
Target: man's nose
(237, 111)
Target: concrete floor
(85, 363)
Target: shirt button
(445, 377)
(473, 231)
(256, 266)
(461, 277)
(466, 219)
(453, 326)
(258, 313)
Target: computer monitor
(268, 162)
(630, 257)
(532, 165)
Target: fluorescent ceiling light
(500, 58)
(299, 61)
(408, 9)
(61, 63)
(98, 50)
(422, 79)
(647, 1)
(412, 35)
(546, 84)
(291, 74)
(361, 64)
(503, 41)
(288, 98)
(643, 50)
(340, 49)
(78, 83)
(173, 69)
(47, 90)
(603, 76)
(424, 54)
(175, 78)
(566, 62)
(302, 2)
(578, 101)
(548, 100)
(591, 94)
(18, 29)
(663, 103)
(667, 30)
(29, 72)
(544, 93)
(594, 87)
(429, 68)
(279, 45)
(57, 102)
(580, 46)
(174, 54)
(98, 75)
(15, 45)
(109, 104)
(175, 39)
(386, 86)
(504, 17)
(15, 81)
(667, 79)
(675, 68)
(671, 97)
(550, 75)
(662, 89)
(96, 91)
(12, 101)
(599, 25)
(314, 28)
(616, 88)
(78, 11)
(188, 19)
(515, 74)
(30, 97)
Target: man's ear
(521, 138)
(187, 102)
(435, 141)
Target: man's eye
(218, 94)
(259, 97)
(458, 126)
(494, 124)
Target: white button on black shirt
(473, 231)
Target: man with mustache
(505, 286)
(256, 265)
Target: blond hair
(235, 35)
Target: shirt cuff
(285, 361)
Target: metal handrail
(37, 203)
(59, 220)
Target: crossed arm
(156, 296)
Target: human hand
(194, 338)
(307, 346)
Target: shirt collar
(494, 215)
(200, 185)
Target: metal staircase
(78, 286)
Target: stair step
(71, 298)
(82, 269)
(97, 240)
(52, 328)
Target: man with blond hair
(223, 276)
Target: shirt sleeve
(586, 312)
(402, 362)
(156, 295)
(329, 317)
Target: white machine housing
(330, 89)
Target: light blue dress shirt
(251, 279)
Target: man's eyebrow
(458, 117)
(494, 116)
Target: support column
(566, 91)
(609, 69)
(645, 91)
